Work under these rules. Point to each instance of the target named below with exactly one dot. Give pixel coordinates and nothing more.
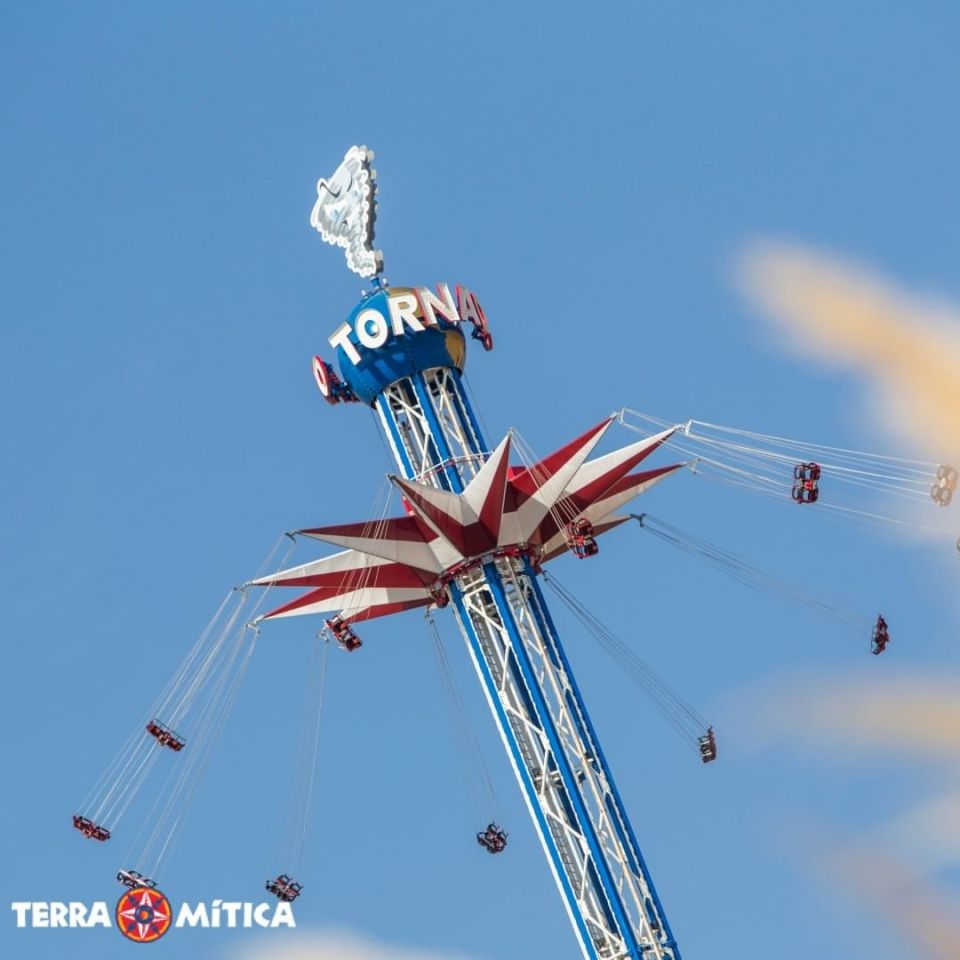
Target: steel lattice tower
(532, 693)
(474, 537)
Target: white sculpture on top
(346, 209)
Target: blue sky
(592, 173)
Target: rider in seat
(881, 636)
(344, 634)
(284, 888)
(165, 736)
(708, 746)
(806, 483)
(945, 485)
(132, 878)
(90, 829)
(581, 539)
(440, 596)
(493, 839)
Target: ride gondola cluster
(868, 488)
(580, 539)
(201, 694)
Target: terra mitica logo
(143, 915)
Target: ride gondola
(284, 888)
(165, 736)
(344, 634)
(89, 829)
(881, 636)
(493, 839)
(806, 483)
(581, 539)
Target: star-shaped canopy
(397, 563)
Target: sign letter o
(372, 329)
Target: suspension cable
(306, 761)
(763, 464)
(687, 722)
(738, 569)
(210, 676)
(473, 767)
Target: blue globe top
(401, 355)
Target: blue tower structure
(474, 537)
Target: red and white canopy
(394, 564)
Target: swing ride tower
(474, 537)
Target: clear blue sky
(591, 171)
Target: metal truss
(530, 689)
(563, 774)
(430, 430)
(408, 430)
(453, 419)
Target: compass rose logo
(143, 915)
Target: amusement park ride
(475, 536)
